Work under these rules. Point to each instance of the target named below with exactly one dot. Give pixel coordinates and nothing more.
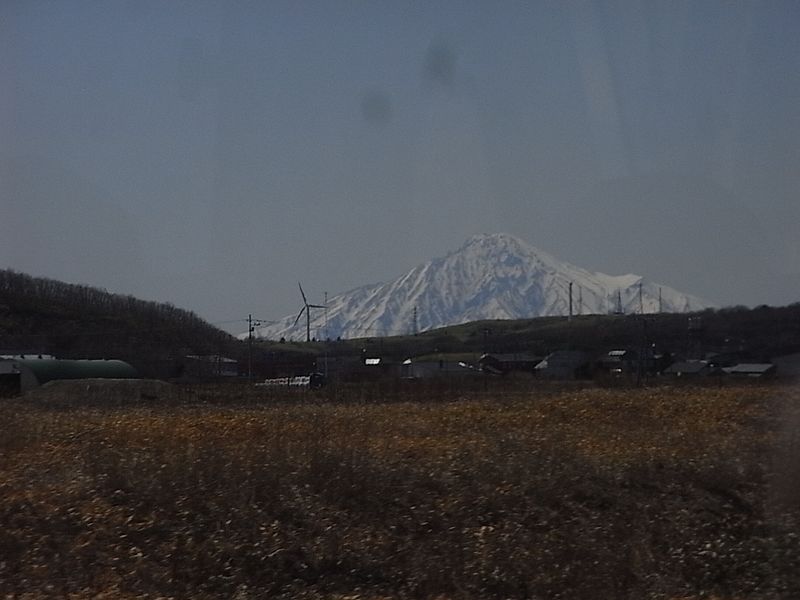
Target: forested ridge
(45, 316)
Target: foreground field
(647, 493)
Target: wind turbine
(307, 309)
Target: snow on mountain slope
(496, 276)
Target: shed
(213, 365)
(352, 369)
(23, 374)
(691, 368)
(788, 365)
(752, 370)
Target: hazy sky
(210, 154)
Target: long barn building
(20, 374)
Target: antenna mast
(619, 303)
(641, 301)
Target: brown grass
(649, 493)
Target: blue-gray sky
(210, 154)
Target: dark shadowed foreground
(649, 493)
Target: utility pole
(327, 335)
(416, 326)
(642, 350)
(251, 325)
(570, 301)
(249, 348)
(660, 302)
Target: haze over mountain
(492, 276)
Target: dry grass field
(674, 493)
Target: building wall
(35, 372)
(17, 378)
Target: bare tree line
(46, 315)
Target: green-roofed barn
(22, 374)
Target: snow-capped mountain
(495, 276)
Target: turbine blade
(302, 293)
(300, 314)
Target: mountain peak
(494, 239)
(491, 276)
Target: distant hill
(761, 332)
(756, 334)
(39, 315)
(495, 276)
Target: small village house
(502, 364)
(427, 369)
(691, 369)
(565, 364)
